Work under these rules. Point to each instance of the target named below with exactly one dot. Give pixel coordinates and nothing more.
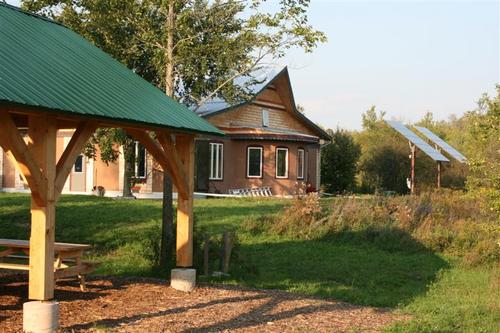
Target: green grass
(461, 300)
(440, 296)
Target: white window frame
(136, 167)
(216, 155)
(261, 161)
(286, 163)
(83, 164)
(299, 151)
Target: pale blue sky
(405, 57)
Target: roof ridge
(38, 16)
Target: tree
(194, 49)
(339, 161)
(484, 150)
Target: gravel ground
(149, 305)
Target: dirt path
(149, 305)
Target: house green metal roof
(44, 64)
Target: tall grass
(444, 221)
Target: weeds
(444, 221)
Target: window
(216, 161)
(281, 162)
(140, 161)
(78, 168)
(265, 118)
(300, 163)
(254, 162)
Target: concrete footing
(183, 279)
(40, 317)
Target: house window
(216, 160)
(300, 163)
(265, 118)
(140, 161)
(254, 162)
(78, 168)
(281, 162)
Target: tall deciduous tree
(484, 150)
(194, 49)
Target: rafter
(82, 134)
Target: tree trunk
(167, 226)
(167, 238)
(128, 151)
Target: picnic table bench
(68, 259)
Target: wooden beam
(165, 154)
(151, 146)
(42, 134)
(175, 163)
(81, 136)
(18, 152)
(184, 244)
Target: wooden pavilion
(50, 79)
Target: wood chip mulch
(120, 304)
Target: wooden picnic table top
(58, 247)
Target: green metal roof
(45, 64)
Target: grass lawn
(441, 296)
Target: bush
(442, 221)
(299, 218)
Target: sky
(405, 57)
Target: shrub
(442, 221)
(299, 217)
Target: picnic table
(68, 259)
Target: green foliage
(443, 222)
(214, 41)
(385, 164)
(484, 154)
(339, 162)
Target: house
(268, 144)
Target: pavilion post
(42, 145)
(184, 276)
(184, 248)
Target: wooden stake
(228, 247)
(185, 149)
(206, 247)
(42, 145)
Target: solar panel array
(442, 144)
(417, 141)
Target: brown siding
(106, 175)
(235, 167)
(251, 116)
(271, 96)
(9, 173)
